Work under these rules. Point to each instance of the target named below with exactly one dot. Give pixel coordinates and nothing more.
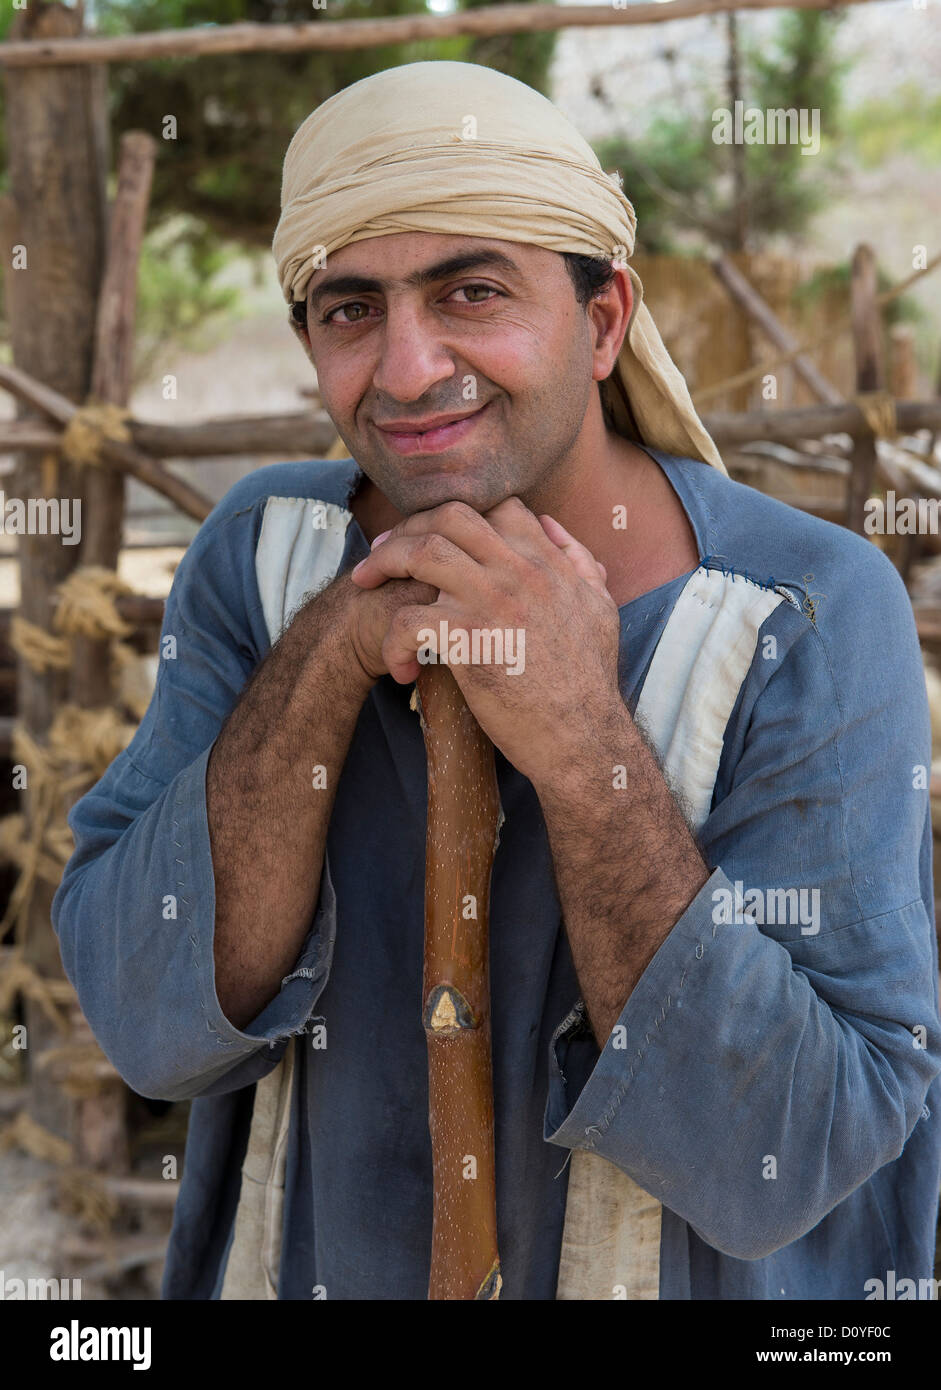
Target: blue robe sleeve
(760, 1071)
(135, 910)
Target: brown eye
(485, 290)
(330, 316)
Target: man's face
(414, 326)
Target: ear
(610, 314)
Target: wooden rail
(311, 433)
(335, 35)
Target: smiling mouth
(430, 441)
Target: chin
(433, 489)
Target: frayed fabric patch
(785, 588)
(718, 562)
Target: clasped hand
(530, 631)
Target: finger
(512, 520)
(585, 564)
(458, 523)
(413, 630)
(428, 557)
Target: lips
(418, 427)
(435, 439)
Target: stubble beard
(528, 470)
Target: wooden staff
(463, 821)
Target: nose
(412, 357)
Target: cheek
(522, 359)
(545, 350)
(340, 389)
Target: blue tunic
(821, 1050)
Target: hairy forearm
(625, 862)
(270, 786)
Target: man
(713, 963)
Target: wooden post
(903, 376)
(904, 366)
(56, 218)
(761, 313)
(933, 437)
(739, 186)
(101, 1140)
(111, 384)
(870, 376)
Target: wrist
(586, 757)
(336, 643)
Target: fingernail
(380, 538)
(359, 566)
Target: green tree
(217, 183)
(235, 113)
(679, 178)
(526, 57)
(801, 71)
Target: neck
(601, 472)
(614, 498)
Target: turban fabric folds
(464, 150)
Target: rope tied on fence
(25, 1133)
(81, 745)
(54, 851)
(87, 741)
(93, 424)
(18, 976)
(86, 604)
(878, 410)
(41, 650)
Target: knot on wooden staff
(447, 1012)
(89, 427)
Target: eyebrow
(364, 284)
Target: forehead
(401, 253)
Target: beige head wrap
(465, 150)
